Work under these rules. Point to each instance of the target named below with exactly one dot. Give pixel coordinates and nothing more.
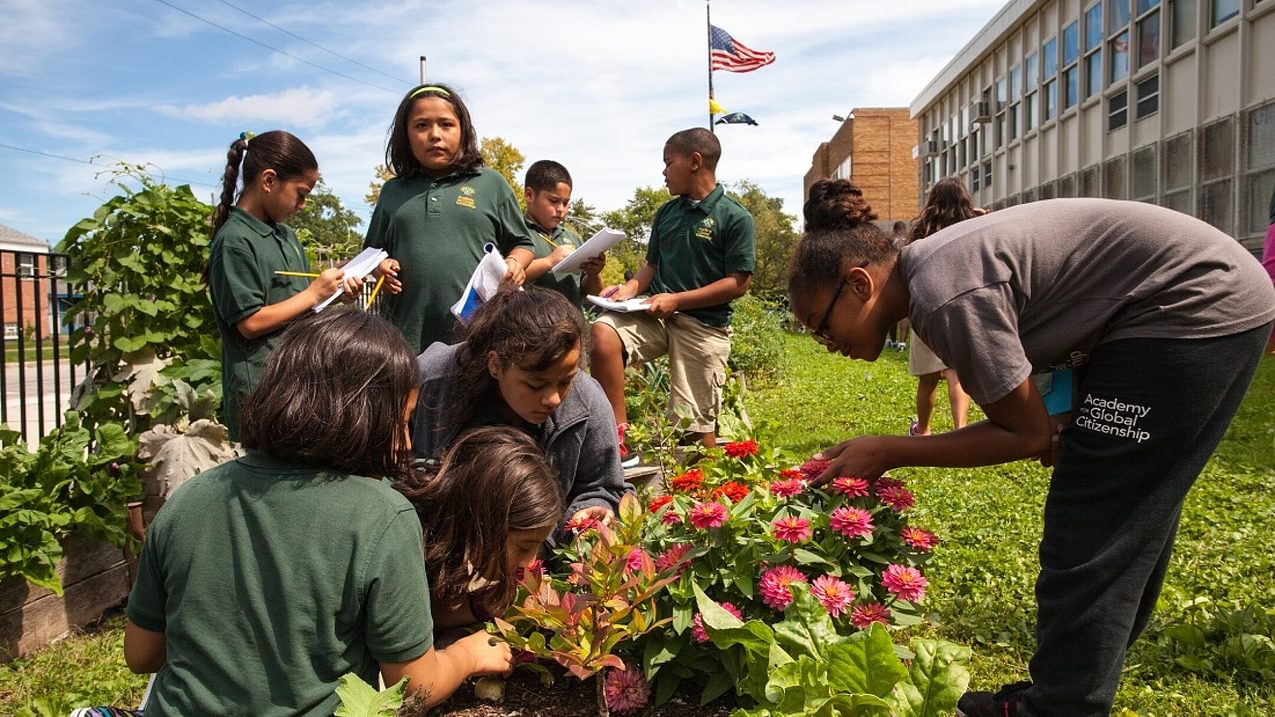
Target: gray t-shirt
(1038, 286)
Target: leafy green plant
(607, 598)
(749, 528)
(77, 480)
(139, 261)
(757, 345)
(802, 665)
(359, 699)
(1222, 643)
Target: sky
(598, 85)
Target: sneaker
(628, 459)
(985, 704)
(912, 428)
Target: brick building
(874, 148)
(24, 292)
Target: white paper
(358, 267)
(635, 304)
(596, 246)
(483, 284)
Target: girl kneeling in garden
(485, 510)
(264, 580)
(1163, 318)
(520, 365)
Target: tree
(383, 175)
(776, 237)
(505, 159)
(326, 227)
(635, 221)
(584, 218)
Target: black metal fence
(38, 372)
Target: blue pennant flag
(736, 118)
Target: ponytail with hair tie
(247, 136)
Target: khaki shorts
(697, 355)
(921, 360)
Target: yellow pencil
(375, 289)
(297, 273)
(548, 240)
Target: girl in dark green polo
(437, 213)
(252, 301)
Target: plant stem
(603, 710)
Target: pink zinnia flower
(675, 556)
(812, 468)
(633, 562)
(919, 539)
(850, 487)
(697, 625)
(864, 615)
(741, 449)
(851, 522)
(792, 530)
(906, 583)
(787, 488)
(708, 515)
(774, 585)
(897, 497)
(671, 517)
(626, 690)
(835, 594)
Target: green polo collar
(262, 228)
(706, 204)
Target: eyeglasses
(821, 333)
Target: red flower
(671, 517)
(633, 562)
(688, 481)
(905, 582)
(674, 557)
(708, 515)
(851, 522)
(659, 502)
(790, 473)
(731, 489)
(850, 487)
(787, 487)
(812, 468)
(792, 530)
(626, 690)
(579, 525)
(864, 615)
(919, 539)
(741, 449)
(896, 496)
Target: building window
(1181, 22)
(1119, 57)
(1148, 96)
(1093, 74)
(1259, 180)
(1117, 15)
(1224, 10)
(1002, 103)
(1030, 78)
(10, 330)
(26, 264)
(1015, 95)
(1049, 57)
(1148, 37)
(1051, 100)
(1067, 186)
(1030, 81)
(974, 186)
(1117, 111)
(1093, 27)
(1070, 59)
(987, 175)
(1176, 160)
(1216, 154)
(1089, 186)
(1144, 5)
(1113, 178)
(1144, 169)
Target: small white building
(1164, 101)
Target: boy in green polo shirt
(548, 192)
(700, 259)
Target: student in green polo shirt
(437, 213)
(251, 244)
(265, 579)
(548, 192)
(700, 259)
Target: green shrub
(757, 347)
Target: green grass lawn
(1221, 581)
(983, 574)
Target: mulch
(525, 696)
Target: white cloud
(300, 107)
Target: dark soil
(525, 696)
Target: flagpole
(708, 22)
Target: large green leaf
(359, 699)
(807, 629)
(866, 663)
(937, 676)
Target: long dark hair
(839, 231)
(947, 203)
(492, 481)
(530, 329)
(333, 396)
(277, 149)
(398, 151)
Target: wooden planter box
(95, 576)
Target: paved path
(31, 385)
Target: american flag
(727, 53)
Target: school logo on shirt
(466, 197)
(705, 229)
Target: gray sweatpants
(1147, 415)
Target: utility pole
(422, 69)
